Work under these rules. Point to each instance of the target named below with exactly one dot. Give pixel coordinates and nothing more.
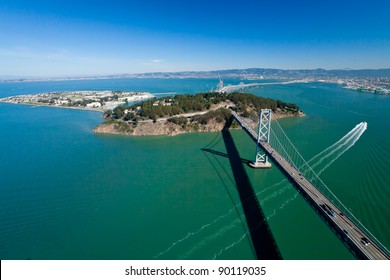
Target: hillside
(203, 112)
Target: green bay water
(67, 193)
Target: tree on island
(247, 105)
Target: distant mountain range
(250, 73)
(268, 73)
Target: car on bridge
(346, 235)
(365, 241)
(328, 210)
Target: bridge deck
(242, 86)
(350, 232)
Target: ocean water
(67, 193)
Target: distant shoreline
(33, 105)
(82, 100)
(243, 74)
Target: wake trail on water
(347, 141)
(202, 228)
(242, 238)
(215, 235)
(337, 143)
(241, 217)
(343, 145)
(347, 145)
(195, 232)
(337, 149)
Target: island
(85, 100)
(202, 112)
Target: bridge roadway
(343, 226)
(231, 88)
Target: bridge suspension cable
(290, 161)
(284, 145)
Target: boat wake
(319, 163)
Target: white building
(94, 105)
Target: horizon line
(92, 76)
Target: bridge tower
(261, 159)
(220, 84)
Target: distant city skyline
(45, 38)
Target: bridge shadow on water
(263, 241)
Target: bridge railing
(281, 142)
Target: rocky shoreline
(164, 127)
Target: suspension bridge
(287, 158)
(242, 86)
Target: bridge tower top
(261, 159)
(220, 84)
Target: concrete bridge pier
(261, 165)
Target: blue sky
(56, 38)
